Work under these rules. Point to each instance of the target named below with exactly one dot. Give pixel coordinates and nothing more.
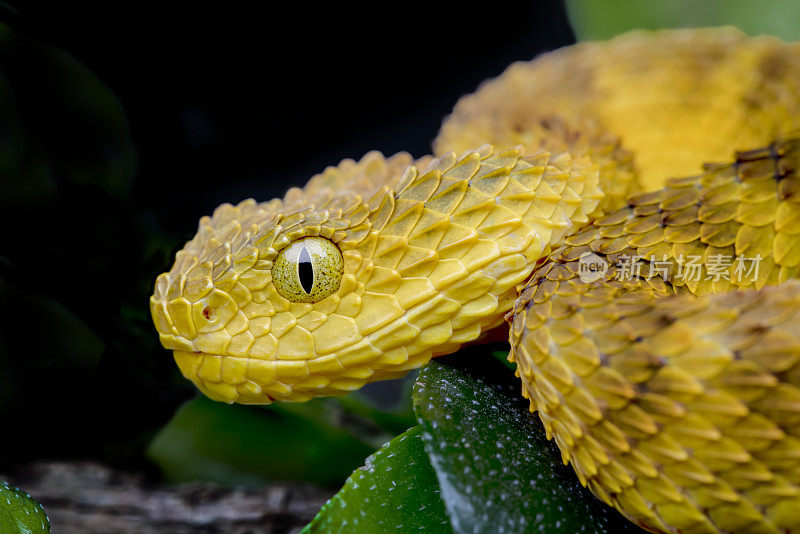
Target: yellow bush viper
(656, 326)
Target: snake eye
(308, 270)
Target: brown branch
(88, 497)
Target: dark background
(235, 100)
(222, 102)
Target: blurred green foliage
(243, 445)
(603, 19)
(320, 441)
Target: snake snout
(201, 335)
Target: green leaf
(235, 444)
(20, 514)
(396, 491)
(602, 19)
(496, 469)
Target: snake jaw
(191, 365)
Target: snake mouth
(190, 362)
(198, 367)
(226, 378)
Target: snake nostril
(207, 313)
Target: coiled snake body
(654, 321)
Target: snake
(564, 201)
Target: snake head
(368, 271)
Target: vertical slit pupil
(305, 270)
